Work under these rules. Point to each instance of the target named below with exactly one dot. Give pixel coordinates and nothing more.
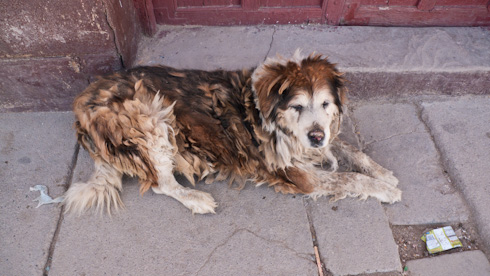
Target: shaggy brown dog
(276, 124)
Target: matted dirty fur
(275, 124)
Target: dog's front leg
(331, 159)
(343, 184)
(361, 162)
(197, 201)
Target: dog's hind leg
(361, 162)
(100, 191)
(341, 185)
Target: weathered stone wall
(51, 49)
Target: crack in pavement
(321, 265)
(69, 179)
(363, 144)
(367, 144)
(270, 45)
(354, 127)
(240, 230)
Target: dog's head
(302, 97)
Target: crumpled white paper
(44, 198)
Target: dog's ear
(334, 77)
(270, 82)
(339, 84)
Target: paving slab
(35, 148)
(354, 236)
(254, 232)
(461, 130)
(389, 49)
(206, 48)
(390, 62)
(394, 136)
(461, 263)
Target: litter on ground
(44, 198)
(441, 239)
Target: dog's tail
(102, 191)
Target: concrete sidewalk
(419, 107)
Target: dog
(277, 123)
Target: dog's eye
(325, 104)
(297, 107)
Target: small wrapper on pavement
(441, 239)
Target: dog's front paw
(388, 177)
(332, 161)
(200, 202)
(390, 195)
(334, 166)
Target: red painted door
(333, 12)
(238, 12)
(413, 13)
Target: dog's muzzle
(316, 137)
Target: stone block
(48, 84)
(461, 263)
(394, 137)
(461, 130)
(354, 237)
(206, 48)
(35, 149)
(54, 28)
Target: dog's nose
(316, 136)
